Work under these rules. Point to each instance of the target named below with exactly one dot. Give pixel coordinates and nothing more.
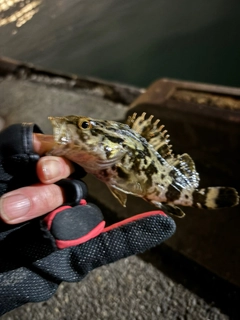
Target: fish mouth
(61, 133)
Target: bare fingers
(50, 169)
(30, 202)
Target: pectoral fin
(122, 197)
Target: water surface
(132, 41)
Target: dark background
(133, 42)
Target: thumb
(123, 239)
(136, 234)
(126, 238)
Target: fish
(136, 158)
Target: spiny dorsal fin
(152, 132)
(185, 164)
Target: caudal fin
(215, 197)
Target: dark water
(132, 41)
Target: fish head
(101, 138)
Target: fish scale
(136, 158)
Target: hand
(32, 201)
(31, 265)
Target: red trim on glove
(134, 218)
(49, 218)
(62, 244)
(83, 202)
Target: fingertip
(14, 206)
(51, 169)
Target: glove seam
(27, 131)
(63, 244)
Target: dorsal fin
(152, 132)
(185, 164)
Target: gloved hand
(36, 255)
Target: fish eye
(84, 124)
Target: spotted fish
(136, 158)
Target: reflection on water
(134, 41)
(21, 15)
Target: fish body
(136, 158)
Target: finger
(51, 169)
(30, 202)
(42, 143)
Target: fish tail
(215, 197)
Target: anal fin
(175, 211)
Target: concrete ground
(128, 289)
(156, 285)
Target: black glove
(31, 262)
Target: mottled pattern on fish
(136, 158)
